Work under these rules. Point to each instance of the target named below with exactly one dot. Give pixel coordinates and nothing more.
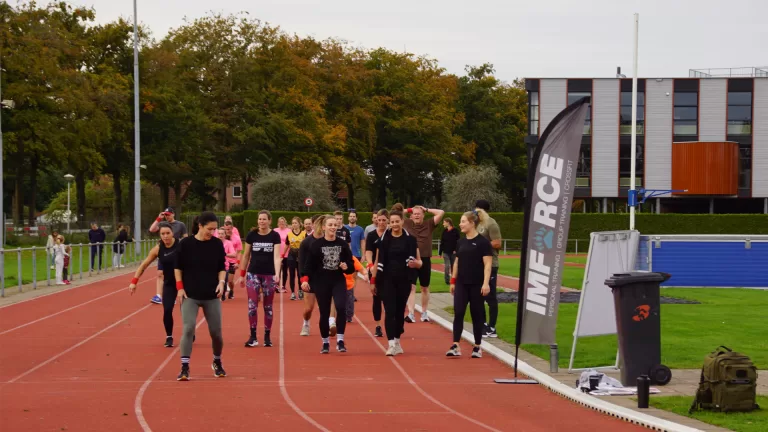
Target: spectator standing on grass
(60, 252)
(179, 231)
(489, 229)
(470, 281)
(96, 237)
(422, 228)
(118, 247)
(49, 248)
(447, 247)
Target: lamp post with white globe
(69, 178)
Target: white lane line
(65, 310)
(283, 390)
(417, 387)
(67, 289)
(81, 343)
(140, 395)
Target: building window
(745, 167)
(575, 96)
(625, 165)
(739, 113)
(584, 169)
(686, 113)
(626, 113)
(533, 114)
(237, 192)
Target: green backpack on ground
(728, 382)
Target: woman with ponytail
(470, 282)
(200, 281)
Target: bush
(286, 190)
(463, 189)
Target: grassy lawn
(755, 421)
(731, 317)
(39, 257)
(573, 277)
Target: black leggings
(473, 295)
(283, 272)
(377, 303)
(293, 267)
(394, 292)
(169, 301)
(324, 292)
(493, 302)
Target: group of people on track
(203, 269)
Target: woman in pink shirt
(283, 230)
(230, 263)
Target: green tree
(472, 183)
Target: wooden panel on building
(705, 168)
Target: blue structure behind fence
(706, 260)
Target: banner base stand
(514, 381)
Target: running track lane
(105, 352)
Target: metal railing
(36, 265)
(752, 71)
(516, 245)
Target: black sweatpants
(473, 295)
(293, 267)
(283, 272)
(169, 301)
(394, 292)
(324, 292)
(493, 302)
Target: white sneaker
(304, 330)
(424, 317)
(398, 348)
(391, 351)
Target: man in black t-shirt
(342, 232)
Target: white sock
(326, 340)
(391, 343)
(306, 322)
(339, 337)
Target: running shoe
(293, 296)
(378, 332)
(398, 348)
(304, 330)
(477, 352)
(391, 351)
(184, 374)
(301, 295)
(218, 371)
(333, 330)
(156, 299)
(326, 348)
(410, 319)
(340, 346)
(454, 351)
(267, 340)
(252, 342)
(424, 317)
(169, 341)
(489, 332)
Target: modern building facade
(704, 133)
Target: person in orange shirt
(351, 282)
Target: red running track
(92, 359)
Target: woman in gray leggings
(200, 282)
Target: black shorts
(423, 275)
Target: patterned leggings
(256, 284)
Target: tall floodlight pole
(634, 128)
(137, 148)
(2, 195)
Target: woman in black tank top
(165, 253)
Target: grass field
(731, 317)
(755, 421)
(573, 277)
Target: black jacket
(448, 242)
(383, 242)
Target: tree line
(225, 97)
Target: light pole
(137, 149)
(69, 178)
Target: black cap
(483, 204)
(169, 210)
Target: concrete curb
(567, 392)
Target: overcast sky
(544, 38)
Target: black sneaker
(252, 342)
(218, 371)
(378, 332)
(340, 346)
(267, 340)
(184, 374)
(489, 332)
(326, 348)
(169, 341)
